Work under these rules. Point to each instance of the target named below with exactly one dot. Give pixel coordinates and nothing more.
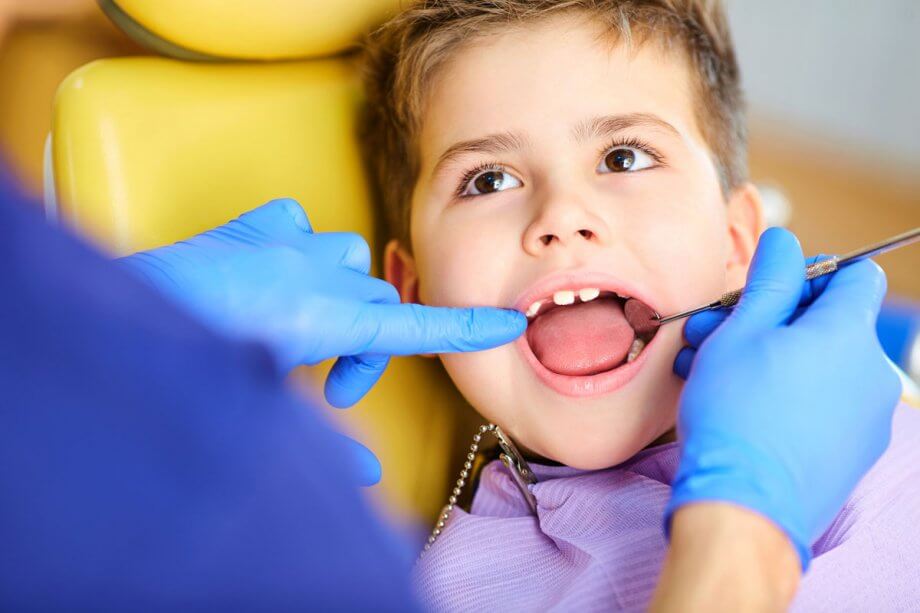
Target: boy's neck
(534, 458)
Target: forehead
(542, 78)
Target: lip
(591, 385)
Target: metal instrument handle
(818, 269)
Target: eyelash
(631, 141)
(615, 143)
(471, 174)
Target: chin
(598, 433)
(583, 431)
(594, 449)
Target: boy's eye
(625, 159)
(490, 181)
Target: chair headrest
(234, 29)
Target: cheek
(736, 277)
(470, 257)
(464, 262)
(494, 383)
(680, 237)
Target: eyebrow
(492, 143)
(593, 128)
(611, 124)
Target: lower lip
(592, 385)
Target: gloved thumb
(774, 284)
(352, 376)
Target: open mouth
(587, 340)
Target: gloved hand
(789, 398)
(308, 297)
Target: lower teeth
(635, 349)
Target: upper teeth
(532, 309)
(565, 297)
(589, 293)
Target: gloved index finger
(701, 325)
(408, 329)
(813, 288)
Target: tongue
(581, 339)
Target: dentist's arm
(147, 463)
(309, 297)
(788, 403)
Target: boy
(563, 157)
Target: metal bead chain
(458, 488)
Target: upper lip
(544, 288)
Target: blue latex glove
(266, 276)
(309, 297)
(789, 398)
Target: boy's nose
(560, 225)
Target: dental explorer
(818, 269)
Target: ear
(744, 227)
(400, 271)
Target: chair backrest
(146, 151)
(263, 30)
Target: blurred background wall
(834, 93)
(845, 69)
(833, 87)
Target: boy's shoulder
(867, 559)
(898, 470)
(894, 481)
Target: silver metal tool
(818, 269)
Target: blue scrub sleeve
(147, 463)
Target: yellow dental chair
(258, 100)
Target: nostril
(588, 234)
(546, 239)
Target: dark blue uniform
(146, 462)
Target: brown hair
(402, 56)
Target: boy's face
(580, 165)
